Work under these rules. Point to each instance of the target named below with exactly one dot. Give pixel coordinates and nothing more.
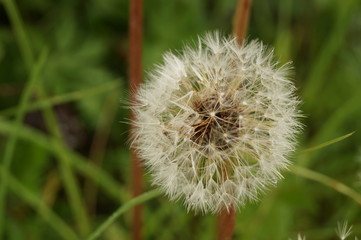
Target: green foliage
(70, 134)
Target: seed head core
(217, 123)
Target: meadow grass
(65, 89)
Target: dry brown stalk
(135, 76)
(227, 219)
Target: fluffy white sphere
(214, 125)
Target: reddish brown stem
(226, 223)
(241, 18)
(135, 75)
(227, 219)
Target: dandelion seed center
(217, 124)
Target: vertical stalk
(21, 36)
(68, 175)
(241, 18)
(135, 75)
(226, 220)
(98, 147)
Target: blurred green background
(71, 140)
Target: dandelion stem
(125, 207)
(135, 74)
(332, 183)
(241, 18)
(227, 219)
(226, 223)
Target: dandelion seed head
(216, 124)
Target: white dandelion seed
(215, 125)
(300, 237)
(343, 231)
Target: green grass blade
(98, 149)
(72, 188)
(332, 183)
(18, 25)
(122, 209)
(70, 182)
(68, 97)
(334, 42)
(49, 216)
(335, 121)
(325, 144)
(74, 194)
(108, 184)
(11, 143)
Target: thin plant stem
(122, 209)
(227, 217)
(51, 187)
(226, 223)
(64, 98)
(11, 143)
(28, 57)
(333, 123)
(71, 185)
(241, 19)
(98, 146)
(35, 202)
(332, 183)
(325, 144)
(135, 75)
(20, 32)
